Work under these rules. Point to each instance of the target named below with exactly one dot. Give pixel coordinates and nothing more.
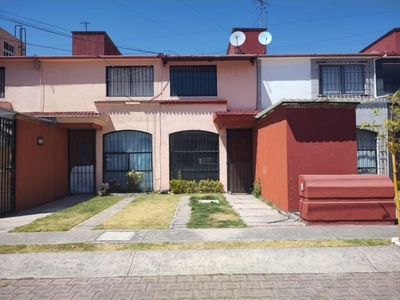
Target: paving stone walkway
(246, 286)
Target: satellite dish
(237, 38)
(265, 38)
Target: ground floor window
(366, 152)
(124, 151)
(194, 154)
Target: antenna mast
(85, 24)
(262, 3)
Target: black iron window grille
(2, 82)
(125, 151)
(130, 81)
(366, 152)
(193, 80)
(342, 79)
(8, 49)
(194, 155)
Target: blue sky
(202, 26)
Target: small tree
(388, 132)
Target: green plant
(179, 186)
(114, 185)
(388, 133)
(212, 215)
(256, 188)
(134, 179)
(104, 190)
(190, 186)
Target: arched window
(194, 154)
(366, 152)
(125, 151)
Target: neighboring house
(10, 45)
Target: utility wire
(67, 35)
(156, 22)
(201, 14)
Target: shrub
(179, 186)
(114, 185)
(134, 179)
(256, 188)
(176, 186)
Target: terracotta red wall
(320, 141)
(91, 44)
(390, 43)
(41, 171)
(270, 154)
(293, 141)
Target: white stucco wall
(285, 78)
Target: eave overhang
(235, 118)
(317, 103)
(74, 120)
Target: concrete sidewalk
(185, 262)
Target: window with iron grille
(342, 79)
(2, 82)
(366, 152)
(194, 154)
(8, 49)
(128, 150)
(130, 81)
(193, 80)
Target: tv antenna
(263, 3)
(265, 38)
(85, 24)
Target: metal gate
(7, 165)
(82, 161)
(240, 160)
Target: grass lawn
(153, 211)
(213, 215)
(80, 247)
(65, 219)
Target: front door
(82, 161)
(240, 160)
(7, 166)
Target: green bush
(176, 186)
(180, 186)
(256, 188)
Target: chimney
(93, 43)
(251, 45)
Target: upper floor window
(193, 80)
(339, 79)
(130, 81)
(2, 82)
(387, 76)
(8, 49)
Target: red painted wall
(251, 45)
(320, 141)
(270, 153)
(389, 43)
(41, 171)
(92, 43)
(300, 140)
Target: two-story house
(110, 114)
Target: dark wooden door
(82, 161)
(7, 165)
(240, 160)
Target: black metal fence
(7, 166)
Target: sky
(202, 26)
